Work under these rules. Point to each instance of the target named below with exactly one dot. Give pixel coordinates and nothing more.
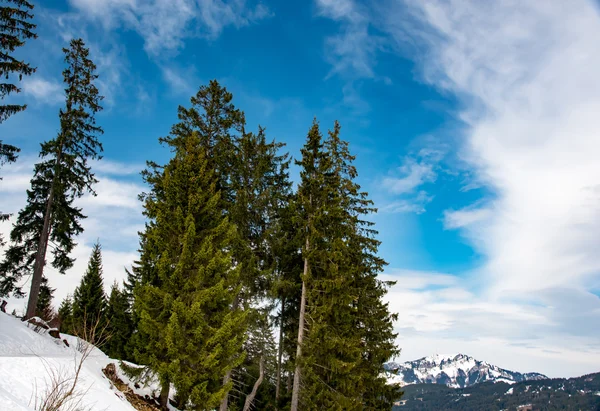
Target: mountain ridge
(453, 370)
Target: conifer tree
(44, 308)
(189, 331)
(65, 316)
(15, 29)
(62, 176)
(119, 324)
(311, 215)
(348, 329)
(89, 299)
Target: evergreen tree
(189, 332)
(15, 29)
(65, 316)
(119, 324)
(62, 176)
(44, 308)
(89, 299)
(310, 200)
(349, 331)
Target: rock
(53, 332)
(111, 372)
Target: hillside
(456, 371)
(30, 361)
(582, 393)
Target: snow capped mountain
(456, 371)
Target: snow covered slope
(28, 359)
(457, 371)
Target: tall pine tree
(311, 217)
(348, 330)
(15, 28)
(189, 331)
(62, 176)
(89, 299)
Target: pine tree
(339, 357)
(44, 308)
(65, 316)
(62, 176)
(119, 324)
(15, 29)
(310, 200)
(89, 299)
(189, 331)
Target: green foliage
(89, 299)
(190, 330)
(15, 29)
(44, 308)
(65, 316)
(62, 176)
(120, 326)
(349, 333)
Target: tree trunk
(279, 353)
(225, 401)
(40, 259)
(261, 375)
(297, 372)
(164, 396)
(40, 256)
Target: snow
(453, 370)
(509, 392)
(27, 360)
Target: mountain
(455, 371)
(581, 393)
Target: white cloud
(414, 174)
(351, 52)
(414, 204)
(45, 91)
(114, 218)
(526, 73)
(180, 82)
(165, 24)
(465, 217)
(438, 314)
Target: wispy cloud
(45, 91)
(526, 74)
(408, 181)
(180, 81)
(414, 204)
(353, 51)
(165, 24)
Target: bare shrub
(62, 392)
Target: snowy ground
(27, 360)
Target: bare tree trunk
(164, 396)
(261, 375)
(40, 256)
(40, 259)
(297, 372)
(225, 402)
(279, 353)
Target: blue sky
(475, 133)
